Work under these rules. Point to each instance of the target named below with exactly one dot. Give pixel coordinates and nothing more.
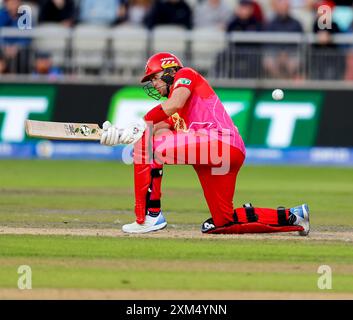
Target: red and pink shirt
(203, 110)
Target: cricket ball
(277, 94)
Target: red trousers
(216, 163)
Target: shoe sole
(304, 233)
(150, 229)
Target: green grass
(96, 278)
(173, 249)
(91, 193)
(73, 263)
(88, 194)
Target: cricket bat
(63, 130)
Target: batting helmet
(159, 62)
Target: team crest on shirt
(182, 81)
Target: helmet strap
(168, 78)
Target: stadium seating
(54, 39)
(123, 49)
(89, 47)
(203, 54)
(129, 46)
(170, 38)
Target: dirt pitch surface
(345, 236)
(88, 294)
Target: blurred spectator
(244, 18)
(241, 59)
(137, 10)
(315, 4)
(301, 10)
(349, 59)
(3, 64)
(302, 3)
(299, 6)
(43, 65)
(282, 61)
(283, 21)
(258, 13)
(212, 13)
(9, 13)
(60, 11)
(174, 12)
(15, 49)
(327, 60)
(107, 12)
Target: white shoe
(150, 224)
(302, 218)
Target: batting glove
(110, 135)
(133, 132)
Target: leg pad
(254, 227)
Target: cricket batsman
(192, 127)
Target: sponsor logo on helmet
(169, 64)
(182, 81)
(168, 58)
